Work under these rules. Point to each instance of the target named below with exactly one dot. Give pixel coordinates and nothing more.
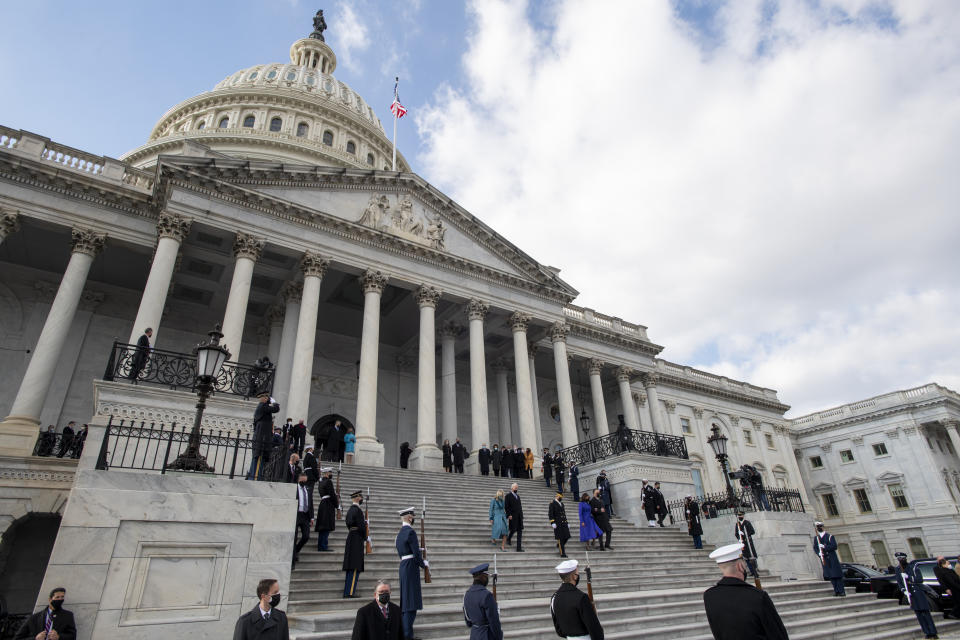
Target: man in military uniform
(408, 548)
(573, 614)
(910, 584)
(735, 609)
(480, 610)
(558, 520)
(326, 508)
(353, 550)
(559, 472)
(825, 546)
(744, 532)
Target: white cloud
(352, 36)
(791, 207)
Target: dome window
(276, 124)
(291, 75)
(351, 147)
(252, 76)
(302, 130)
(328, 138)
(201, 125)
(370, 159)
(271, 74)
(248, 122)
(311, 80)
(224, 122)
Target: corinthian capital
(314, 265)
(519, 321)
(87, 241)
(624, 373)
(532, 350)
(9, 222)
(595, 366)
(373, 281)
(649, 380)
(172, 225)
(427, 296)
(477, 310)
(450, 330)
(292, 291)
(247, 246)
(558, 332)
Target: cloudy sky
(771, 187)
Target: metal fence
(58, 445)
(129, 446)
(10, 623)
(624, 441)
(748, 499)
(179, 371)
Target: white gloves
(554, 525)
(272, 401)
(426, 563)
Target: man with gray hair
(735, 609)
(380, 619)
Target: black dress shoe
(521, 550)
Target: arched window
(201, 125)
(370, 159)
(276, 124)
(302, 130)
(248, 122)
(224, 122)
(328, 138)
(351, 148)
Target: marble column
(532, 351)
(521, 363)
(448, 380)
(952, 426)
(369, 451)
(500, 370)
(600, 426)
(568, 421)
(18, 431)
(291, 294)
(626, 399)
(299, 382)
(246, 250)
(9, 223)
(653, 402)
(479, 422)
(172, 229)
(427, 454)
(274, 331)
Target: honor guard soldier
(558, 520)
(744, 532)
(573, 614)
(735, 609)
(408, 548)
(353, 550)
(480, 610)
(911, 585)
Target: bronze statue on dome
(319, 26)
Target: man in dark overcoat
(304, 516)
(606, 492)
(459, 453)
(299, 436)
(496, 457)
(691, 513)
(353, 549)
(514, 510)
(558, 520)
(483, 459)
(735, 609)
(743, 530)
(60, 620)
(911, 586)
(547, 466)
(507, 462)
(649, 499)
(262, 434)
(326, 509)
(949, 582)
(480, 610)
(264, 621)
(602, 517)
(519, 462)
(825, 546)
(559, 472)
(380, 619)
(310, 468)
(575, 481)
(331, 450)
(411, 561)
(661, 504)
(141, 355)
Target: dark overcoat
(548, 466)
(63, 624)
(831, 563)
(447, 456)
(558, 516)
(743, 531)
(356, 535)
(573, 613)
(495, 458)
(737, 611)
(408, 545)
(911, 584)
(600, 515)
(459, 453)
(514, 510)
(371, 625)
(263, 425)
(481, 614)
(327, 504)
(253, 626)
(692, 516)
(507, 460)
(606, 492)
(575, 482)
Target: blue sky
(768, 185)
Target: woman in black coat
(447, 457)
(405, 452)
(692, 515)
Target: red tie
(383, 610)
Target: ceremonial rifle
(590, 582)
(494, 576)
(366, 517)
(423, 540)
(816, 534)
(339, 507)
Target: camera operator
(752, 479)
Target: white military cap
(727, 553)
(326, 470)
(818, 524)
(407, 511)
(567, 566)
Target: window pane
(370, 159)
(328, 138)
(685, 425)
(830, 504)
(846, 455)
(351, 147)
(880, 449)
(248, 121)
(224, 122)
(917, 548)
(747, 436)
(816, 462)
(302, 130)
(863, 502)
(843, 550)
(201, 125)
(769, 439)
(899, 499)
(880, 556)
(276, 124)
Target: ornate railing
(51, 445)
(625, 441)
(712, 505)
(179, 371)
(128, 445)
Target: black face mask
(56, 604)
(275, 600)
(383, 598)
(740, 518)
(576, 580)
(301, 482)
(360, 501)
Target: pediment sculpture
(403, 221)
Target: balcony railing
(745, 498)
(625, 441)
(179, 371)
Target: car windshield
(926, 570)
(867, 571)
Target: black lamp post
(718, 442)
(584, 423)
(210, 358)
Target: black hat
(357, 494)
(480, 568)
(900, 555)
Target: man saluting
(573, 614)
(408, 548)
(480, 610)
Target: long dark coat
(911, 584)
(371, 625)
(558, 516)
(252, 626)
(599, 513)
(514, 510)
(744, 533)
(310, 467)
(606, 491)
(575, 482)
(327, 504)
(334, 442)
(495, 459)
(831, 563)
(692, 516)
(483, 458)
(356, 535)
(459, 453)
(263, 425)
(650, 502)
(408, 545)
(447, 456)
(519, 461)
(507, 461)
(737, 610)
(548, 466)
(481, 614)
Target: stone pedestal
(626, 472)
(427, 458)
(784, 541)
(369, 452)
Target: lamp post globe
(584, 423)
(718, 442)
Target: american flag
(397, 109)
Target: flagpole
(395, 118)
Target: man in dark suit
(380, 619)
(304, 515)
(496, 457)
(507, 462)
(459, 453)
(602, 517)
(514, 511)
(53, 623)
(299, 437)
(66, 438)
(293, 469)
(141, 355)
(483, 458)
(262, 434)
(309, 464)
(661, 504)
(950, 582)
(265, 621)
(331, 450)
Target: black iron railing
(179, 371)
(10, 624)
(745, 498)
(128, 445)
(50, 445)
(625, 441)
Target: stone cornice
(677, 382)
(609, 337)
(869, 417)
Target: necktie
(48, 624)
(383, 610)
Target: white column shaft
(301, 369)
(479, 419)
(448, 388)
(155, 291)
(284, 361)
(600, 426)
(369, 357)
(236, 313)
(626, 403)
(568, 422)
(427, 380)
(653, 404)
(536, 404)
(528, 437)
(503, 408)
(273, 342)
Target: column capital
(476, 309)
(624, 372)
(313, 264)
(735, 420)
(948, 423)
(698, 412)
(670, 406)
(427, 296)
(518, 321)
(275, 314)
(87, 241)
(292, 292)
(595, 366)
(558, 332)
(532, 350)
(500, 365)
(9, 222)
(247, 246)
(649, 380)
(173, 225)
(640, 398)
(450, 330)
(757, 424)
(373, 281)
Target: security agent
(53, 623)
(480, 610)
(573, 614)
(735, 609)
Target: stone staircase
(650, 586)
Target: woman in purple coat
(589, 531)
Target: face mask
(56, 604)
(740, 518)
(484, 580)
(559, 499)
(576, 580)
(383, 598)
(275, 600)
(301, 482)
(360, 501)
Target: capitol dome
(288, 112)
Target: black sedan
(858, 576)
(885, 585)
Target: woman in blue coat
(498, 521)
(589, 531)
